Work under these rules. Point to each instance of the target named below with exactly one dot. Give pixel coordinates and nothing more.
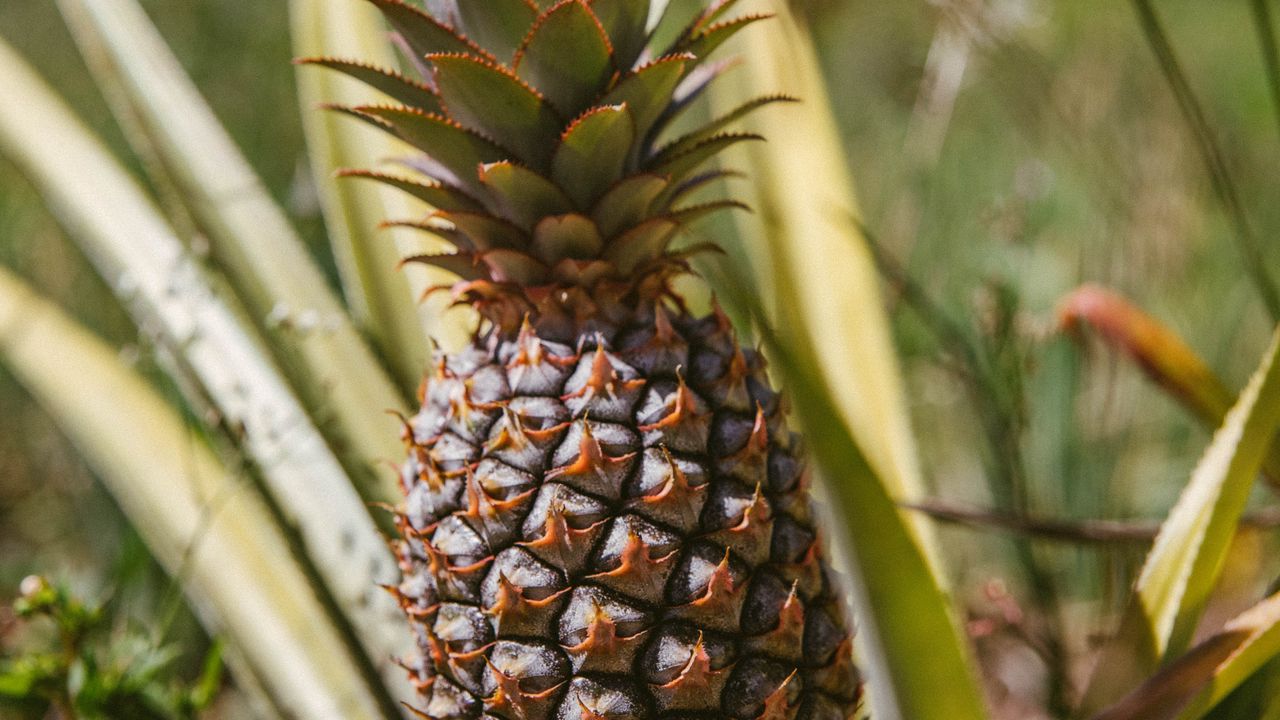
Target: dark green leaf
(684, 142)
(423, 33)
(438, 196)
(567, 57)
(458, 149)
(624, 22)
(465, 265)
(680, 165)
(486, 231)
(593, 153)
(676, 18)
(497, 25)
(397, 86)
(627, 203)
(648, 91)
(704, 42)
(566, 236)
(693, 213)
(491, 100)
(522, 195)
(641, 244)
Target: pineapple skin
(616, 525)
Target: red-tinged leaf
(521, 195)
(423, 33)
(693, 213)
(493, 101)
(389, 82)
(1158, 351)
(593, 153)
(437, 195)
(463, 264)
(627, 203)
(705, 41)
(677, 17)
(458, 149)
(567, 57)
(497, 25)
(515, 266)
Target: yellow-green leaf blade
(1183, 565)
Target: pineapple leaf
(424, 34)
(624, 23)
(1184, 563)
(684, 142)
(522, 195)
(497, 25)
(696, 183)
(593, 153)
(459, 149)
(648, 91)
(490, 99)
(679, 165)
(570, 236)
(1190, 686)
(627, 203)
(437, 195)
(163, 477)
(678, 16)
(437, 229)
(705, 41)
(693, 86)
(641, 244)
(686, 215)
(514, 266)
(485, 231)
(389, 82)
(465, 265)
(567, 57)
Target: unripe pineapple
(606, 515)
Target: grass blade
(1195, 683)
(166, 291)
(1247, 241)
(202, 522)
(329, 363)
(1183, 565)
(1158, 351)
(381, 295)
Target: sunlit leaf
(1183, 566)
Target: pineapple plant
(605, 514)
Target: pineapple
(605, 514)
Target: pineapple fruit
(605, 514)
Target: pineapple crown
(543, 131)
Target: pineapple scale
(618, 528)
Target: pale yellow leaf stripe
(1187, 557)
(308, 330)
(381, 294)
(200, 521)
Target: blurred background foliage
(1005, 151)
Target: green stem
(1220, 178)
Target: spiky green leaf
(438, 196)
(486, 231)
(459, 149)
(624, 22)
(593, 153)
(423, 33)
(567, 57)
(648, 91)
(522, 195)
(570, 236)
(641, 244)
(627, 203)
(389, 82)
(693, 137)
(497, 25)
(490, 99)
(679, 165)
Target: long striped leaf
(166, 290)
(200, 521)
(328, 362)
(1183, 566)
